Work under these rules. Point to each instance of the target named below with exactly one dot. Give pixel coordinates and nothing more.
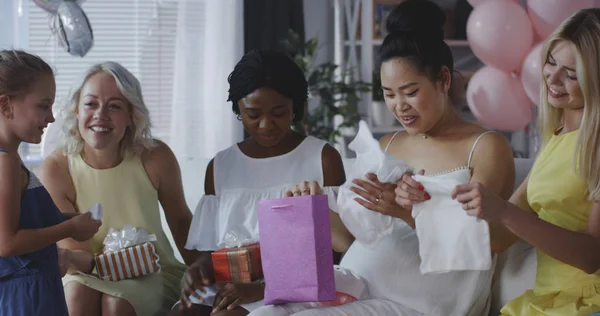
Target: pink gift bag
(296, 250)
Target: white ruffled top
(229, 217)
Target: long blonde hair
(582, 29)
(137, 137)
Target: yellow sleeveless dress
(558, 195)
(128, 197)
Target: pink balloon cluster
(503, 35)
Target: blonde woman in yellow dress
(110, 157)
(557, 207)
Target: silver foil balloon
(51, 6)
(72, 28)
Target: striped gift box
(127, 263)
(238, 264)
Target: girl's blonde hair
(582, 29)
(137, 137)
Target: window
(139, 34)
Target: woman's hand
(480, 202)
(378, 196)
(410, 192)
(305, 188)
(231, 295)
(84, 227)
(196, 277)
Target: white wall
(318, 21)
(13, 24)
(6, 24)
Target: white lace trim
(448, 171)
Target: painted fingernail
(421, 187)
(427, 196)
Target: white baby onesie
(449, 239)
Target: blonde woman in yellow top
(110, 157)
(557, 208)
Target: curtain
(209, 44)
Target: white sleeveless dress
(395, 284)
(240, 181)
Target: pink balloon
(531, 73)
(498, 101)
(475, 3)
(546, 15)
(500, 34)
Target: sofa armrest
(515, 273)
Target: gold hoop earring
(239, 117)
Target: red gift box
(238, 264)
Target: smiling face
(103, 113)
(561, 77)
(415, 101)
(267, 116)
(26, 116)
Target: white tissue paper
(96, 211)
(129, 236)
(232, 240)
(208, 297)
(348, 282)
(449, 239)
(368, 227)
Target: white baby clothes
(368, 227)
(449, 239)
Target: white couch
(515, 270)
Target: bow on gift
(232, 240)
(129, 236)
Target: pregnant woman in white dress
(417, 81)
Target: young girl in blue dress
(30, 223)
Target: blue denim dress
(30, 284)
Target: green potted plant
(337, 97)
